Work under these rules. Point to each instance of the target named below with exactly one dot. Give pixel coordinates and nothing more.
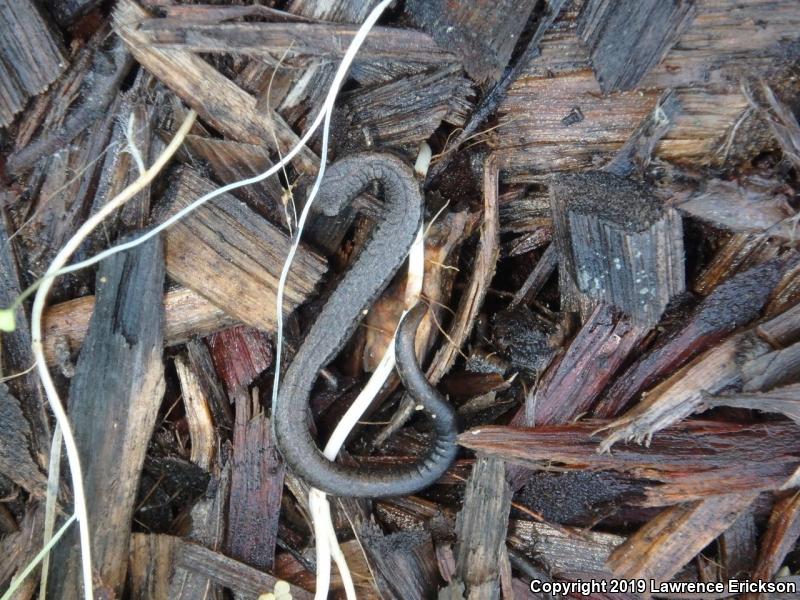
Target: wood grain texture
(483, 34)
(724, 43)
(229, 255)
(480, 533)
(187, 315)
(673, 538)
(618, 243)
(31, 57)
(216, 98)
(319, 40)
(692, 460)
(627, 40)
(114, 401)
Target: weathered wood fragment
(123, 351)
(748, 205)
(20, 548)
(16, 355)
(99, 72)
(783, 530)
(490, 101)
(480, 532)
(683, 393)
(396, 114)
(15, 454)
(327, 41)
(31, 56)
(402, 563)
(240, 355)
(659, 549)
(208, 529)
(618, 243)
(151, 561)
(535, 281)
(200, 361)
(310, 88)
(705, 68)
(772, 369)
(483, 35)
(564, 552)
(187, 314)
(734, 303)
(741, 252)
(228, 254)
(783, 329)
(692, 460)
(217, 99)
(738, 547)
(636, 154)
(626, 40)
(231, 161)
(198, 415)
(230, 573)
(571, 387)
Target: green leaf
(7, 320)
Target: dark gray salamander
(377, 263)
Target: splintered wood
(612, 277)
(31, 57)
(228, 254)
(618, 243)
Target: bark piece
(198, 415)
(256, 487)
(99, 71)
(738, 548)
(231, 256)
(217, 99)
(31, 57)
(484, 35)
(208, 529)
(564, 552)
(659, 549)
(230, 573)
(618, 243)
(15, 455)
(734, 303)
(395, 114)
(782, 330)
(534, 283)
(626, 40)
(569, 389)
(113, 422)
(741, 252)
(403, 563)
(772, 369)
(187, 314)
(151, 561)
(692, 460)
(232, 161)
(481, 531)
(199, 359)
(783, 530)
(16, 355)
(317, 40)
(684, 392)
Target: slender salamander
(377, 263)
